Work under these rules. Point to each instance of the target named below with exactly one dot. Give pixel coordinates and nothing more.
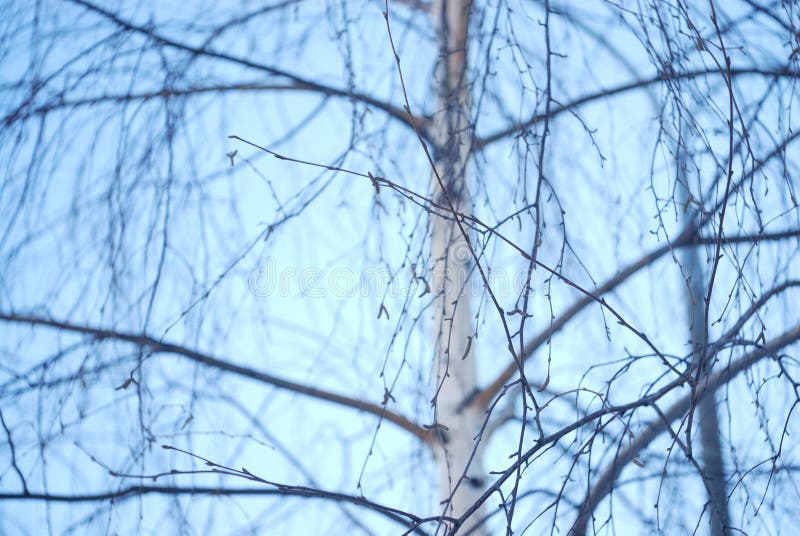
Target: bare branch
(684, 240)
(299, 82)
(130, 492)
(605, 482)
(714, 382)
(156, 346)
(778, 72)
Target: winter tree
(399, 267)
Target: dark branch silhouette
(157, 346)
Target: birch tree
(399, 267)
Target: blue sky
(121, 200)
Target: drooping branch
(399, 516)
(300, 83)
(156, 346)
(143, 96)
(686, 237)
(605, 483)
(778, 72)
(712, 383)
(685, 240)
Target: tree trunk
(711, 460)
(458, 456)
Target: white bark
(458, 456)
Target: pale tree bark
(457, 451)
(711, 460)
